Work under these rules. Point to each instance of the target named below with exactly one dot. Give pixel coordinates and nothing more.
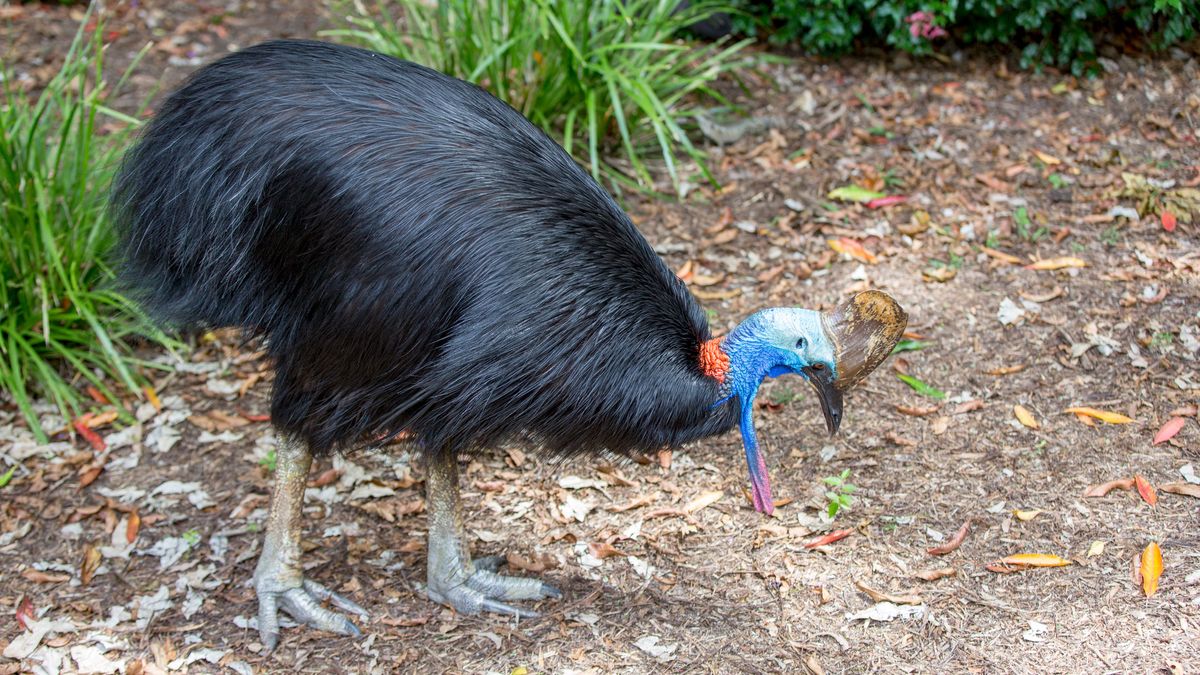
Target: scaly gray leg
(453, 579)
(279, 580)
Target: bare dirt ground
(668, 568)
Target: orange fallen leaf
(1001, 255)
(152, 397)
(1168, 430)
(1104, 488)
(1026, 516)
(1050, 264)
(853, 249)
(1034, 560)
(91, 562)
(1168, 221)
(1151, 569)
(1085, 420)
(604, 550)
(1025, 417)
(934, 575)
(836, 535)
(1102, 415)
(1146, 490)
(135, 524)
(40, 577)
(1050, 160)
(954, 542)
(1005, 370)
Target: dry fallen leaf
(1005, 370)
(1169, 429)
(1001, 255)
(1188, 489)
(934, 575)
(1102, 415)
(1050, 160)
(917, 411)
(880, 596)
(1025, 417)
(954, 541)
(704, 500)
(1035, 560)
(91, 562)
(604, 550)
(1104, 488)
(39, 577)
(853, 249)
(1051, 264)
(1097, 548)
(1026, 516)
(1151, 569)
(836, 535)
(1146, 490)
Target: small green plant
(993, 239)
(1057, 181)
(60, 322)
(783, 395)
(1111, 236)
(269, 461)
(1025, 227)
(839, 493)
(604, 78)
(1162, 340)
(192, 537)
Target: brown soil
(722, 588)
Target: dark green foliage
(1061, 33)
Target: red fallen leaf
(96, 395)
(1105, 488)
(1168, 221)
(954, 542)
(836, 535)
(90, 436)
(1146, 490)
(90, 475)
(1168, 430)
(604, 550)
(135, 524)
(24, 612)
(890, 200)
(326, 477)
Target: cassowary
(420, 258)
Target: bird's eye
(801, 343)
(818, 366)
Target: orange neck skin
(714, 362)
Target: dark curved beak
(822, 380)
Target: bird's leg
(453, 579)
(279, 579)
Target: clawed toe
(304, 606)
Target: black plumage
(417, 254)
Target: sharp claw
(323, 593)
(490, 605)
(551, 592)
(270, 641)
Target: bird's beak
(863, 330)
(822, 380)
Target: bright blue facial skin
(771, 343)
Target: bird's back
(418, 255)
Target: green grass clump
(61, 325)
(605, 78)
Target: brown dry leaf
(813, 665)
(1005, 370)
(1187, 489)
(1151, 568)
(706, 280)
(534, 563)
(705, 499)
(1097, 548)
(915, 411)
(967, 406)
(939, 274)
(604, 550)
(1025, 417)
(1146, 490)
(1050, 160)
(934, 575)
(325, 478)
(1001, 255)
(635, 503)
(1056, 292)
(716, 295)
(940, 425)
(1185, 411)
(39, 577)
(1051, 264)
(1105, 416)
(685, 271)
(993, 182)
(880, 596)
(725, 236)
(1104, 488)
(1035, 560)
(91, 562)
(954, 541)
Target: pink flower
(920, 24)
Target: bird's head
(833, 351)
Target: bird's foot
(476, 588)
(302, 600)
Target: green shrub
(60, 323)
(602, 77)
(1058, 33)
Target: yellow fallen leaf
(853, 249)
(1102, 415)
(1097, 548)
(1152, 567)
(1047, 159)
(1001, 255)
(1025, 417)
(1026, 516)
(1035, 560)
(705, 499)
(1056, 263)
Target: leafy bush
(602, 77)
(60, 323)
(1052, 32)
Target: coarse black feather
(418, 255)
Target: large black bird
(421, 258)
